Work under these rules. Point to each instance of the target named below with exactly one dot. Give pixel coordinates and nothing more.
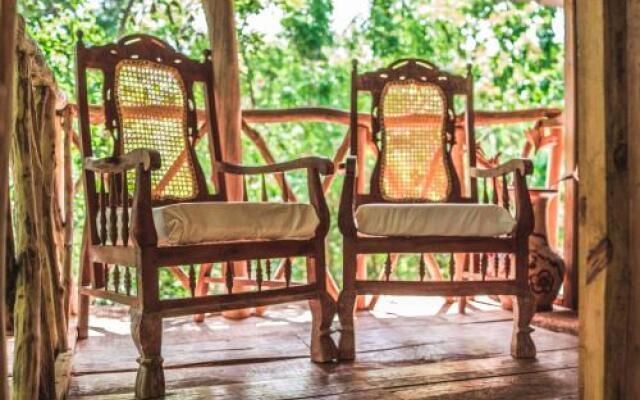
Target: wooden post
(458, 162)
(553, 175)
(67, 281)
(361, 183)
(570, 142)
(27, 357)
(7, 66)
(608, 112)
(50, 243)
(632, 348)
(224, 43)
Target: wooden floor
(403, 353)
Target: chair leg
(460, 262)
(202, 287)
(323, 310)
(146, 330)
(524, 306)
(83, 316)
(346, 308)
(522, 345)
(323, 348)
(84, 300)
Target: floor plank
(402, 354)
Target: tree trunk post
(224, 43)
(608, 116)
(7, 67)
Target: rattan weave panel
(413, 117)
(152, 107)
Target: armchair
(417, 203)
(149, 207)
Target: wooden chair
(417, 204)
(139, 220)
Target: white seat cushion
(485, 220)
(191, 223)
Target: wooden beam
(224, 42)
(335, 116)
(570, 253)
(7, 67)
(608, 105)
(632, 53)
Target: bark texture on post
(27, 357)
(67, 281)
(50, 242)
(7, 55)
(40, 324)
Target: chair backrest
(413, 123)
(148, 96)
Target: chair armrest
(346, 219)
(522, 165)
(323, 165)
(144, 161)
(523, 210)
(147, 158)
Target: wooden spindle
(287, 271)
(245, 193)
(422, 267)
(103, 211)
(484, 264)
(259, 275)
(229, 276)
(476, 263)
(263, 183)
(249, 269)
(285, 192)
(113, 209)
(268, 268)
(116, 278)
(485, 194)
(496, 264)
(125, 210)
(105, 271)
(494, 197)
(192, 280)
(507, 265)
(387, 267)
(452, 267)
(505, 193)
(127, 280)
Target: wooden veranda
(457, 356)
(410, 348)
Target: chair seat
(209, 222)
(485, 220)
(192, 223)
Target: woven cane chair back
(152, 108)
(149, 103)
(413, 122)
(413, 119)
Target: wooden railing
(537, 137)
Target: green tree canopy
(293, 53)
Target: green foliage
(302, 59)
(307, 27)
